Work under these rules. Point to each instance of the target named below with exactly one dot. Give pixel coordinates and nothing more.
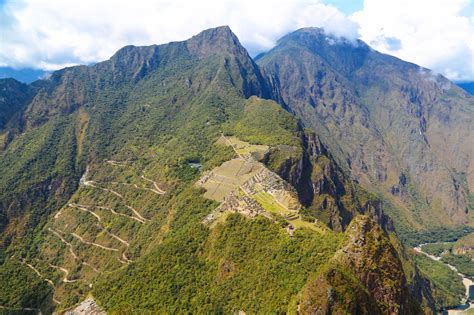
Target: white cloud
(52, 33)
(49, 34)
(437, 34)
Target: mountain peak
(223, 30)
(215, 40)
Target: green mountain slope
(404, 132)
(162, 181)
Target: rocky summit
(190, 178)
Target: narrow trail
(93, 244)
(121, 214)
(127, 260)
(117, 163)
(71, 250)
(66, 274)
(160, 192)
(137, 213)
(51, 283)
(56, 216)
(124, 242)
(93, 184)
(157, 189)
(90, 266)
(232, 145)
(39, 274)
(86, 209)
(88, 183)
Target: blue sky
(51, 34)
(345, 6)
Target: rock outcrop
(364, 277)
(384, 119)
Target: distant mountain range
(25, 75)
(190, 178)
(29, 75)
(467, 86)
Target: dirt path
(93, 244)
(160, 192)
(66, 273)
(232, 145)
(91, 183)
(44, 279)
(86, 209)
(65, 242)
(136, 213)
(56, 216)
(90, 266)
(117, 163)
(39, 274)
(127, 260)
(157, 189)
(117, 238)
(121, 214)
(71, 250)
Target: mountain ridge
(335, 98)
(118, 202)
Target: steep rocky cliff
(365, 276)
(404, 132)
(324, 188)
(98, 194)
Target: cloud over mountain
(54, 34)
(435, 34)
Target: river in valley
(468, 304)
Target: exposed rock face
(383, 118)
(372, 269)
(336, 292)
(324, 187)
(208, 75)
(86, 307)
(376, 264)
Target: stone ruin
(238, 204)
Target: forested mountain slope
(173, 179)
(404, 132)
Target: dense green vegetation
(436, 249)
(265, 122)
(245, 264)
(21, 288)
(448, 287)
(436, 235)
(463, 263)
(138, 122)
